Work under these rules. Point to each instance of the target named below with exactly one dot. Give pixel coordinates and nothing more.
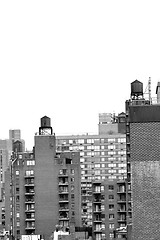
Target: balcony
(97, 210)
(62, 175)
(27, 201)
(30, 210)
(29, 184)
(121, 200)
(97, 220)
(96, 192)
(29, 176)
(98, 230)
(97, 200)
(63, 183)
(30, 228)
(63, 209)
(121, 220)
(31, 192)
(62, 218)
(121, 192)
(30, 219)
(61, 200)
(121, 210)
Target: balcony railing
(30, 219)
(63, 183)
(30, 210)
(30, 193)
(29, 176)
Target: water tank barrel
(136, 88)
(45, 122)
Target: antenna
(149, 89)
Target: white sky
(71, 60)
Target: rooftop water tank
(136, 88)
(45, 122)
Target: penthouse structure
(42, 188)
(102, 156)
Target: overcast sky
(71, 60)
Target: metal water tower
(45, 128)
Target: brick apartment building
(102, 156)
(42, 188)
(109, 209)
(143, 165)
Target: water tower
(136, 90)
(45, 128)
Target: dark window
(111, 196)
(110, 187)
(111, 206)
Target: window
(102, 207)
(111, 153)
(20, 156)
(122, 152)
(111, 226)
(103, 165)
(111, 235)
(111, 147)
(102, 188)
(81, 147)
(111, 197)
(121, 140)
(81, 160)
(122, 165)
(89, 147)
(111, 207)
(97, 172)
(96, 153)
(18, 224)
(122, 171)
(112, 165)
(90, 141)
(89, 153)
(112, 171)
(98, 236)
(111, 216)
(96, 147)
(17, 172)
(80, 141)
(112, 177)
(111, 187)
(97, 165)
(111, 139)
(122, 158)
(29, 172)
(30, 162)
(72, 171)
(111, 158)
(72, 179)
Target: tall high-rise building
(143, 165)
(43, 188)
(102, 156)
